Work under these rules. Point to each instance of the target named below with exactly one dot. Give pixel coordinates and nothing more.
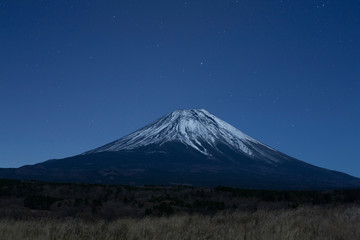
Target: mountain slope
(188, 147)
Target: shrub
(38, 202)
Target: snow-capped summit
(196, 128)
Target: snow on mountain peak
(195, 128)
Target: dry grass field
(68, 211)
(301, 223)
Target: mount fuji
(187, 147)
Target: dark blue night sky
(75, 75)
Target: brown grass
(303, 223)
